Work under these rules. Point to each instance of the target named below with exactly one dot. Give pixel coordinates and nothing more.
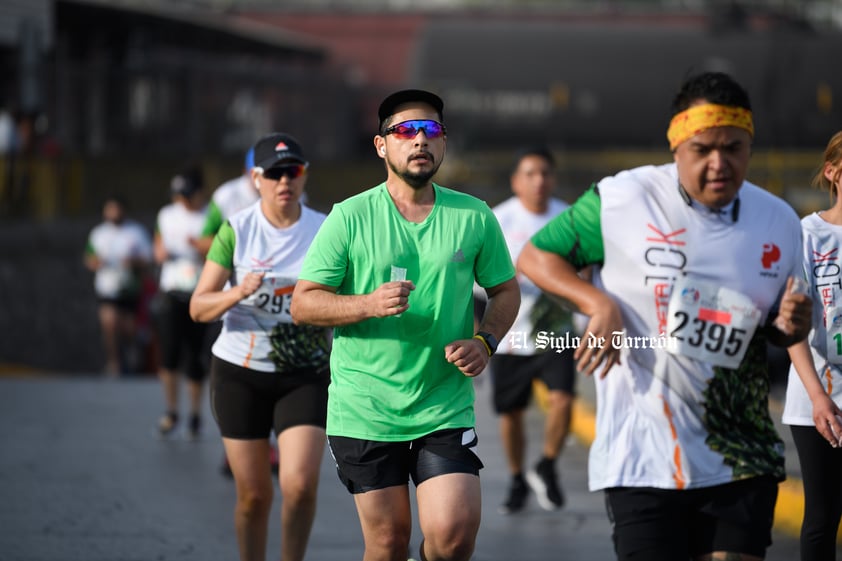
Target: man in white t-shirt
(228, 199)
(517, 362)
(695, 273)
(119, 252)
(182, 341)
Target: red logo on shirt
(771, 255)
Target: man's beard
(417, 180)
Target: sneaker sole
(540, 489)
(508, 511)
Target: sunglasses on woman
(290, 170)
(409, 129)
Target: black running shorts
(668, 524)
(366, 465)
(182, 340)
(249, 404)
(512, 377)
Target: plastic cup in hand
(398, 274)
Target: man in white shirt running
(695, 274)
(228, 199)
(517, 362)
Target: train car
(590, 85)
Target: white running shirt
(518, 225)
(114, 244)
(177, 225)
(667, 420)
(249, 242)
(823, 272)
(235, 195)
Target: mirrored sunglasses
(409, 129)
(290, 170)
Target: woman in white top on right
(814, 388)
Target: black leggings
(821, 470)
(182, 340)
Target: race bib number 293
(710, 323)
(273, 297)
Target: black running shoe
(544, 481)
(194, 426)
(518, 493)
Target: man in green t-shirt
(392, 270)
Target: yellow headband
(698, 118)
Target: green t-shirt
(213, 220)
(576, 233)
(389, 377)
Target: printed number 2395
(714, 336)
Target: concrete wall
(47, 306)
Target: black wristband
(489, 340)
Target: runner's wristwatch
(489, 340)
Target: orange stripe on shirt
(284, 290)
(678, 476)
(247, 361)
(829, 379)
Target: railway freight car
(603, 85)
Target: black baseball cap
(187, 182)
(275, 149)
(388, 106)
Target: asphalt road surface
(85, 477)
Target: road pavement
(84, 477)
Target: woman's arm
(210, 300)
(825, 411)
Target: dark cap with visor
(187, 182)
(276, 149)
(388, 106)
